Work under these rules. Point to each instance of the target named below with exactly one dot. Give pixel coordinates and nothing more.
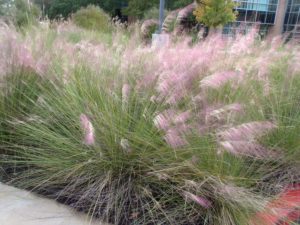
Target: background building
(273, 16)
(292, 19)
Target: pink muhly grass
(197, 199)
(224, 112)
(88, 129)
(246, 148)
(276, 42)
(163, 120)
(174, 138)
(175, 96)
(183, 128)
(146, 81)
(219, 79)
(124, 143)
(177, 77)
(263, 67)
(243, 44)
(182, 117)
(125, 93)
(24, 57)
(166, 82)
(153, 99)
(241, 141)
(247, 131)
(42, 65)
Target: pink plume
(182, 117)
(163, 120)
(246, 148)
(223, 112)
(125, 93)
(88, 129)
(218, 79)
(241, 141)
(174, 139)
(247, 131)
(197, 199)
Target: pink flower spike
(125, 145)
(125, 93)
(224, 112)
(88, 129)
(247, 148)
(182, 117)
(247, 131)
(174, 139)
(197, 199)
(219, 79)
(163, 120)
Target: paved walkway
(23, 208)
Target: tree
(64, 8)
(5, 6)
(214, 13)
(25, 13)
(57, 8)
(111, 5)
(20, 12)
(137, 8)
(176, 4)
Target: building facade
(274, 17)
(292, 19)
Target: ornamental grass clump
(134, 135)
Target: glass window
(251, 16)
(272, 8)
(293, 18)
(257, 10)
(270, 18)
(241, 16)
(261, 17)
(294, 2)
(242, 5)
(295, 8)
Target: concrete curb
(18, 207)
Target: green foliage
(137, 8)
(140, 8)
(64, 8)
(19, 12)
(214, 13)
(175, 4)
(25, 14)
(93, 18)
(153, 13)
(4, 6)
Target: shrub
(94, 18)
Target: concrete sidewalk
(19, 207)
